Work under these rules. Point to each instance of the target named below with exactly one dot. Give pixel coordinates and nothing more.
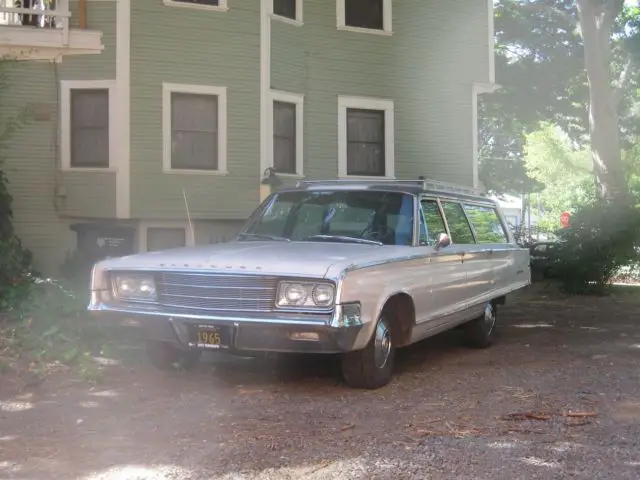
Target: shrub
(16, 275)
(601, 239)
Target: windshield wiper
(264, 236)
(341, 238)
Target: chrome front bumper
(337, 332)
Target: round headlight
(295, 294)
(126, 286)
(147, 288)
(322, 295)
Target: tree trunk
(596, 23)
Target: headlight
(304, 294)
(134, 287)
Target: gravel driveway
(556, 397)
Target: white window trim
(298, 22)
(298, 100)
(387, 19)
(221, 92)
(145, 225)
(222, 7)
(66, 86)
(389, 133)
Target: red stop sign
(564, 219)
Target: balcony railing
(36, 14)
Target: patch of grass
(54, 332)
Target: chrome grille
(204, 291)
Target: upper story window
(199, 4)
(289, 10)
(372, 16)
(486, 224)
(194, 129)
(288, 135)
(365, 137)
(85, 124)
(365, 142)
(90, 128)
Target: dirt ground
(556, 397)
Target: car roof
(414, 187)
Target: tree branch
(568, 18)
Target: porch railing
(36, 14)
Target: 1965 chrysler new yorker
(358, 268)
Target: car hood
(313, 259)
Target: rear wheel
(480, 332)
(371, 367)
(165, 356)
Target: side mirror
(443, 241)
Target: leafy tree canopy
(540, 63)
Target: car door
(442, 273)
(474, 271)
(495, 252)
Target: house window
(86, 133)
(201, 4)
(290, 9)
(365, 142)
(288, 129)
(366, 130)
(90, 128)
(195, 131)
(284, 137)
(159, 238)
(367, 15)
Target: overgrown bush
(601, 240)
(16, 275)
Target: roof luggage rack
(420, 182)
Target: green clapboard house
(139, 104)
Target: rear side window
(458, 224)
(486, 224)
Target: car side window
(486, 224)
(434, 222)
(458, 225)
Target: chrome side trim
(321, 321)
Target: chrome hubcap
(382, 344)
(489, 318)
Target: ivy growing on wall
(16, 275)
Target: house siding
(195, 47)
(44, 197)
(427, 67)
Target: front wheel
(371, 367)
(479, 332)
(165, 356)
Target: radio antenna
(186, 206)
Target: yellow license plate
(210, 337)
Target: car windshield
(382, 218)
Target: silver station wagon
(356, 268)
